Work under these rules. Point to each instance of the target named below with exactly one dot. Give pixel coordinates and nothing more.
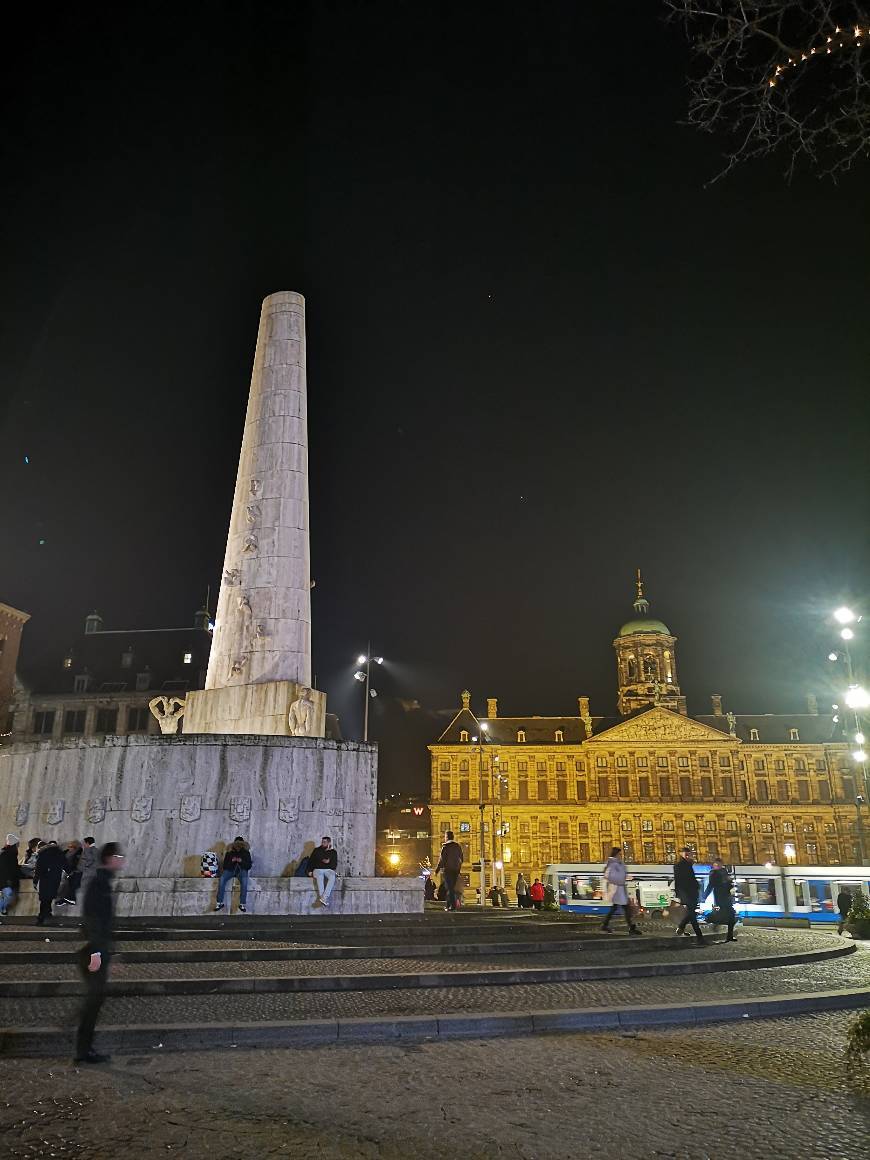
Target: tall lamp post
(857, 699)
(364, 676)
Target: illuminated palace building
(753, 789)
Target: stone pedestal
(251, 709)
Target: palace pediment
(660, 724)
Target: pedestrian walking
(536, 893)
(522, 889)
(616, 874)
(687, 888)
(237, 863)
(322, 866)
(844, 905)
(98, 919)
(47, 873)
(88, 863)
(449, 866)
(66, 896)
(10, 874)
(719, 885)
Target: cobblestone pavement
(771, 1089)
(853, 971)
(752, 943)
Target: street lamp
(363, 675)
(857, 697)
(844, 615)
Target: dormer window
(753, 734)
(560, 736)
(521, 735)
(143, 681)
(463, 735)
(127, 659)
(793, 735)
(81, 682)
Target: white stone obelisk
(261, 649)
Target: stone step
(389, 980)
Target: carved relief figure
(54, 812)
(631, 668)
(237, 667)
(22, 813)
(301, 715)
(260, 632)
(141, 811)
(250, 544)
(232, 575)
(252, 513)
(288, 809)
(168, 711)
(256, 484)
(244, 604)
(95, 810)
(191, 807)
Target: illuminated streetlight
(860, 756)
(847, 634)
(860, 738)
(832, 656)
(395, 858)
(364, 675)
(857, 697)
(844, 615)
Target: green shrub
(858, 917)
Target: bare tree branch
(781, 76)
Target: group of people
(321, 866)
(58, 874)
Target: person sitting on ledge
(322, 864)
(237, 863)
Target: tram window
(820, 898)
(756, 891)
(800, 893)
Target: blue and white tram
(775, 892)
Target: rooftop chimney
(492, 707)
(717, 704)
(93, 622)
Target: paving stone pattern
(852, 971)
(771, 1089)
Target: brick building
(753, 788)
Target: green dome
(633, 626)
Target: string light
(856, 40)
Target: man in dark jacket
(451, 863)
(47, 873)
(719, 885)
(322, 865)
(98, 920)
(10, 873)
(237, 863)
(687, 888)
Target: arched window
(463, 765)
(631, 667)
(650, 668)
(463, 735)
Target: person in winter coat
(616, 874)
(536, 893)
(10, 873)
(98, 914)
(322, 868)
(30, 857)
(88, 863)
(237, 863)
(844, 905)
(450, 863)
(719, 886)
(687, 888)
(66, 896)
(47, 873)
(522, 892)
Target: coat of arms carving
(288, 809)
(333, 807)
(191, 807)
(22, 813)
(141, 811)
(240, 809)
(95, 810)
(54, 812)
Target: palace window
(522, 767)
(753, 734)
(788, 827)
(689, 827)
(582, 827)
(463, 765)
(601, 762)
(74, 721)
(67, 662)
(646, 825)
(521, 735)
(463, 789)
(706, 787)
(626, 825)
(793, 735)
(560, 736)
(821, 765)
(782, 793)
(649, 852)
(848, 787)
(560, 767)
(731, 825)
(43, 722)
(563, 829)
(604, 826)
(703, 762)
(683, 762)
(445, 790)
(833, 852)
(580, 766)
(758, 764)
(622, 789)
(710, 827)
(812, 850)
(662, 762)
(581, 789)
(541, 767)
(642, 762)
(621, 762)
(138, 717)
(767, 827)
(604, 787)
(830, 828)
(643, 787)
(561, 789)
(664, 787)
(524, 827)
(824, 791)
(544, 828)
(727, 787)
(463, 734)
(543, 789)
(762, 791)
(107, 720)
(685, 788)
(800, 765)
(803, 788)
(668, 827)
(445, 767)
(724, 760)
(779, 764)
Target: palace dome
(632, 626)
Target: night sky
(542, 348)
